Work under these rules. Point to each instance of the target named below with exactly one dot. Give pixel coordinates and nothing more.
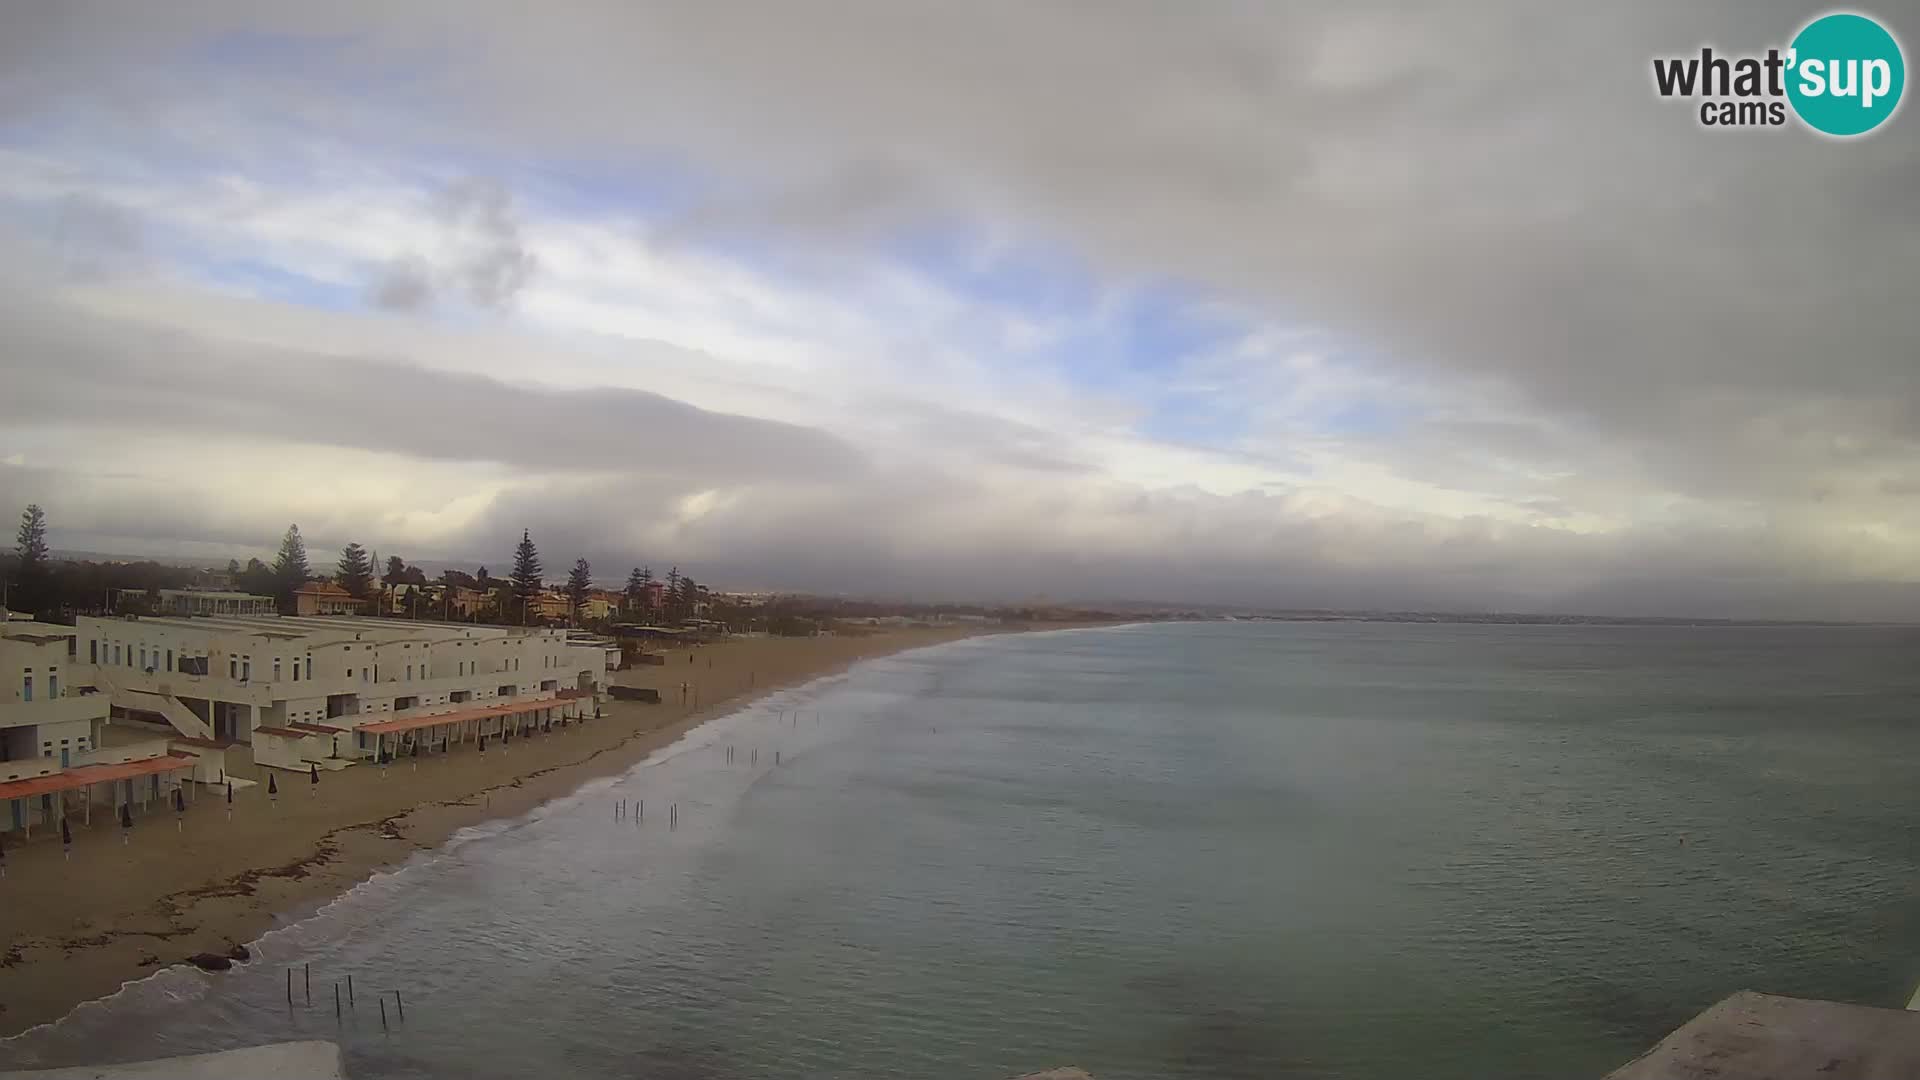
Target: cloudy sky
(1349, 304)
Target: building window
(26, 688)
(233, 667)
(169, 659)
(143, 658)
(246, 669)
(93, 651)
(116, 656)
(53, 686)
(276, 669)
(409, 672)
(309, 667)
(296, 671)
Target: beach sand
(76, 930)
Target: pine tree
(290, 570)
(526, 572)
(579, 584)
(396, 570)
(672, 598)
(635, 586)
(356, 570)
(31, 575)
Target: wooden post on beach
(336, 999)
(309, 978)
(383, 1014)
(401, 1005)
(643, 811)
(289, 988)
(349, 987)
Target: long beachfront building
(226, 679)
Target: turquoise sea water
(1206, 850)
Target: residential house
(325, 598)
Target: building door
(63, 757)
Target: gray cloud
(1487, 191)
(95, 374)
(403, 284)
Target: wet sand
(76, 930)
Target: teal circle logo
(1845, 74)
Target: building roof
(461, 716)
(325, 589)
(73, 779)
(283, 732)
(39, 633)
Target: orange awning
(74, 779)
(484, 712)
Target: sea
(1375, 851)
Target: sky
(1347, 305)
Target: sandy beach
(76, 930)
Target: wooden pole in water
(349, 987)
(383, 1014)
(401, 1005)
(309, 983)
(289, 988)
(336, 999)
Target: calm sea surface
(1211, 850)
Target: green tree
(30, 590)
(290, 570)
(356, 570)
(579, 584)
(637, 588)
(689, 598)
(396, 571)
(257, 579)
(526, 573)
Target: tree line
(35, 583)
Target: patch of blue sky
(275, 283)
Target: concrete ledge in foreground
(281, 1061)
(1752, 1036)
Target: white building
(200, 602)
(310, 679)
(51, 728)
(44, 720)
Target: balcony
(58, 711)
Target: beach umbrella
(229, 796)
(273, 789)
(126, 821)
(66, 838)
(483, 743)
(179, 808)
(313, 773)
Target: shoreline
(127, 907)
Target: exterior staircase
(166, 706)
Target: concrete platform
(1752, 1036)
(280, 1061)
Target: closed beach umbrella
(483, 744)
(273, 789)
(66, 838)
(229, 793)
(313, 773)
(126, 821)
